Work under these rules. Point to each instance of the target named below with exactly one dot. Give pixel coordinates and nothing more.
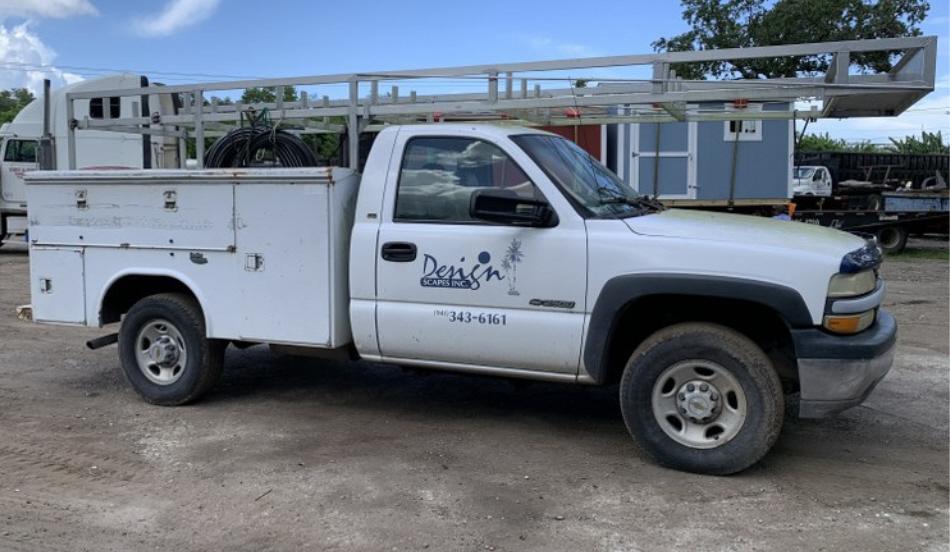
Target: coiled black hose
(239, 148)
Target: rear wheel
(892, 239)
(702, 398)
(164, 352)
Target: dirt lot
(289, 454)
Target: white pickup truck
(812, 181)
(499, 251)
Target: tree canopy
(716, 24)
(267, 95)
(927, 142)
(12, 101)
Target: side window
(439, 175)
(23, 151)
(95, 108)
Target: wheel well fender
(125, 288)
(671, 298)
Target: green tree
(928, 142)
(821, 142)
(12, 101)
(268, 95)
(824, 142)
(716, 24)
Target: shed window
(745, 130)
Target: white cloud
(25, 60)
(46, 8)
(176, 15)
(560, 49)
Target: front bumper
(838, 372)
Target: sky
(180, 41)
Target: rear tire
(703, 398)
(164, 351)
(892, 239)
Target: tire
(892, 239)
(743, 378)
(874, 202)
(163, 378)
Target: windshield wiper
(642, 202)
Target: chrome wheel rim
(160, 352)
(699, 404)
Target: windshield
(804, 172)
(581, 176)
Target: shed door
(664, 159)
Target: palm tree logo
(513, 256)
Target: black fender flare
(620, 291)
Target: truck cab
(500, 251)
(18, 154)
(812, 180)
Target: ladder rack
(544, 93)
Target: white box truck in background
(21, 138)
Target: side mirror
(505, 207)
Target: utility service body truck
(480, 249)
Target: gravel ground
(290, 454)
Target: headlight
(850, 285)
(849, 323)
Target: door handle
(399, 252)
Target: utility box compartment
(293, 252)
(57, 278)
(132, 208)
(264, 251)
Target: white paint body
(324, 283)
(812, 181)
(94, 148)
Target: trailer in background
(888, 169)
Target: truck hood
(743, 229)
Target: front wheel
(164, 352)
(702, 398)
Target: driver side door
(468, 294)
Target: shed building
(742, 162)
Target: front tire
(164, 351)
(703, 398)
